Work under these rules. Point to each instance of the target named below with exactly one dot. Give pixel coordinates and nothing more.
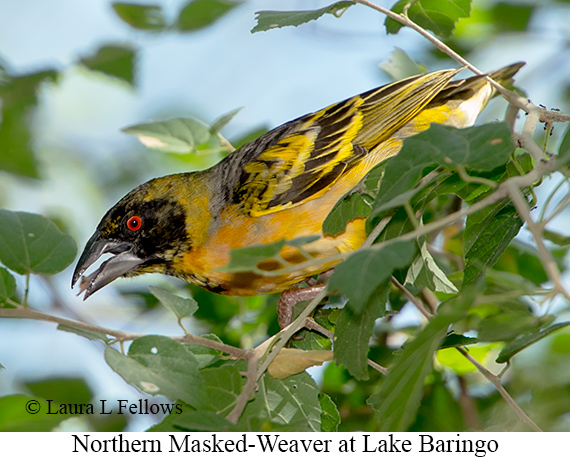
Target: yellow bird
(281, 185)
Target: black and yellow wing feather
(300, 160)
(303, 158)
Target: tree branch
(121, 336)
(537, 232)
(497, 383)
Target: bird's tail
(466, 88)
(504, 76)
(460, 102)
(409, 106)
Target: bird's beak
(123, 262)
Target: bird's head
(145, 231)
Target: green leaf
(194, 421)
(399, 397)
(113, 60)
(359, 276)
(31, 243)
(439, 16)
(177, 135)
(247, 259)
(19, 97)
(507, 326)
(401, 66)
(141, 17)
(453, 340)
(223, 385)
(556, 238)
(180, 306)
(159, 365)
(7, 285)
(89, 334)
(198, 14)
(267, 20)
(353, 332)
(313, 341)
(483, 147)
(454, 360)
(61, 390)
(399, 225)
(186, 418)
(290, 404)
(515, 346)
(511, 16)
(487, 234)
(14, 416)
(300, 241)
(356, 204)
(330, 417)
(510, 284)
(424, 272)
(222, 121)
(403, 172)
(564, 148)
(205, 355)
(439, 410)
(523, 263)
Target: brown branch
(537, 232)
(121, 336)
(22, 312)
(247, 391)
(414, 300)
(512, 97)
(497, 383)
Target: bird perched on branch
(281, 185)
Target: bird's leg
(289, 298)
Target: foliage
(443, 217)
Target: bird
(281, 185)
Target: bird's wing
(302, 159)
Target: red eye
(134, 223)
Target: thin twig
(22, 312)
(559, 207)
(546, 204)
(475, 179)
(121, 336)
(512, 97)
(247, 391)
(415, 301)
(537, 232)
(430, 298)
(403, 19)
(226, 145)
(497, 383)
(379, 368)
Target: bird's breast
(234, 229)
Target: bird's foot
(291, 297)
